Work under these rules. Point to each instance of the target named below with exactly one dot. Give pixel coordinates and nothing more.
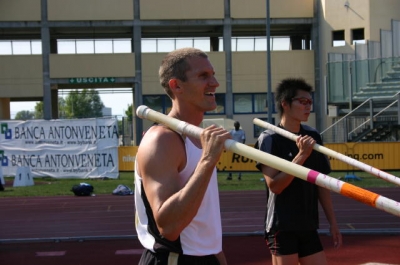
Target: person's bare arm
(277, 180)
(324, 196)
(161, 156)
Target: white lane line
(129, 252)
(50, 253)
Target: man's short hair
(287, 90)
(175, 65)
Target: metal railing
(360, 119)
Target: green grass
(250, 181)
(47, 186)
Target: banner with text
(79, 148)
(381, 155)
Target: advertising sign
(80, 148)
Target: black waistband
(162, 258)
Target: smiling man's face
(200, 87)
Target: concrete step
(393, 74)
(388, 83)
(381, 88)
(390, 79)
(389, 94)
(396, 68)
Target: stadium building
(349, 50)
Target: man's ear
(174, 84)
(285, 104)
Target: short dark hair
(175, 65)
(287, 89)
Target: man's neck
(187, 116)
(291, 126)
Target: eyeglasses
(303, 101)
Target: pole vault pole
(351, 161)
(338, 186)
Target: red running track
(99, 230)
(239, 250)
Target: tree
(39, 114)
(61, 107)
(24, 115)
(83, 104)
(120, 131)
(39, 109)
(129, 113)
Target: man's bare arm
(161, 156)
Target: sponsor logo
(3, 159)
(7, 132)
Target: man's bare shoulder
(161, 152)
(160, 141)
(159, 135)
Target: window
(21, 47)
(182, 43)
(220, 109)
(165, 45)
(250, 103)
(338, 38)
(242, 103)
(357, 36)
(5, 47)
(160, 103)
(85, 46)
(122, 46)
(154, 102)
(170, 44)
(261, 103)
(260, 44)
(103, 46)
(66, 47)
(244, 44)
(36, 46)
(91, 46)
(148, 45)
(281, 43)
(13, 47)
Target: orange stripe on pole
(359, 194)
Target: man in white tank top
(176, 191)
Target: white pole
(346, 159)
(338, 186)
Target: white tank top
(203, 236)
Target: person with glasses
(291, 219)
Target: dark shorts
(150, 258)
(304, 243)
